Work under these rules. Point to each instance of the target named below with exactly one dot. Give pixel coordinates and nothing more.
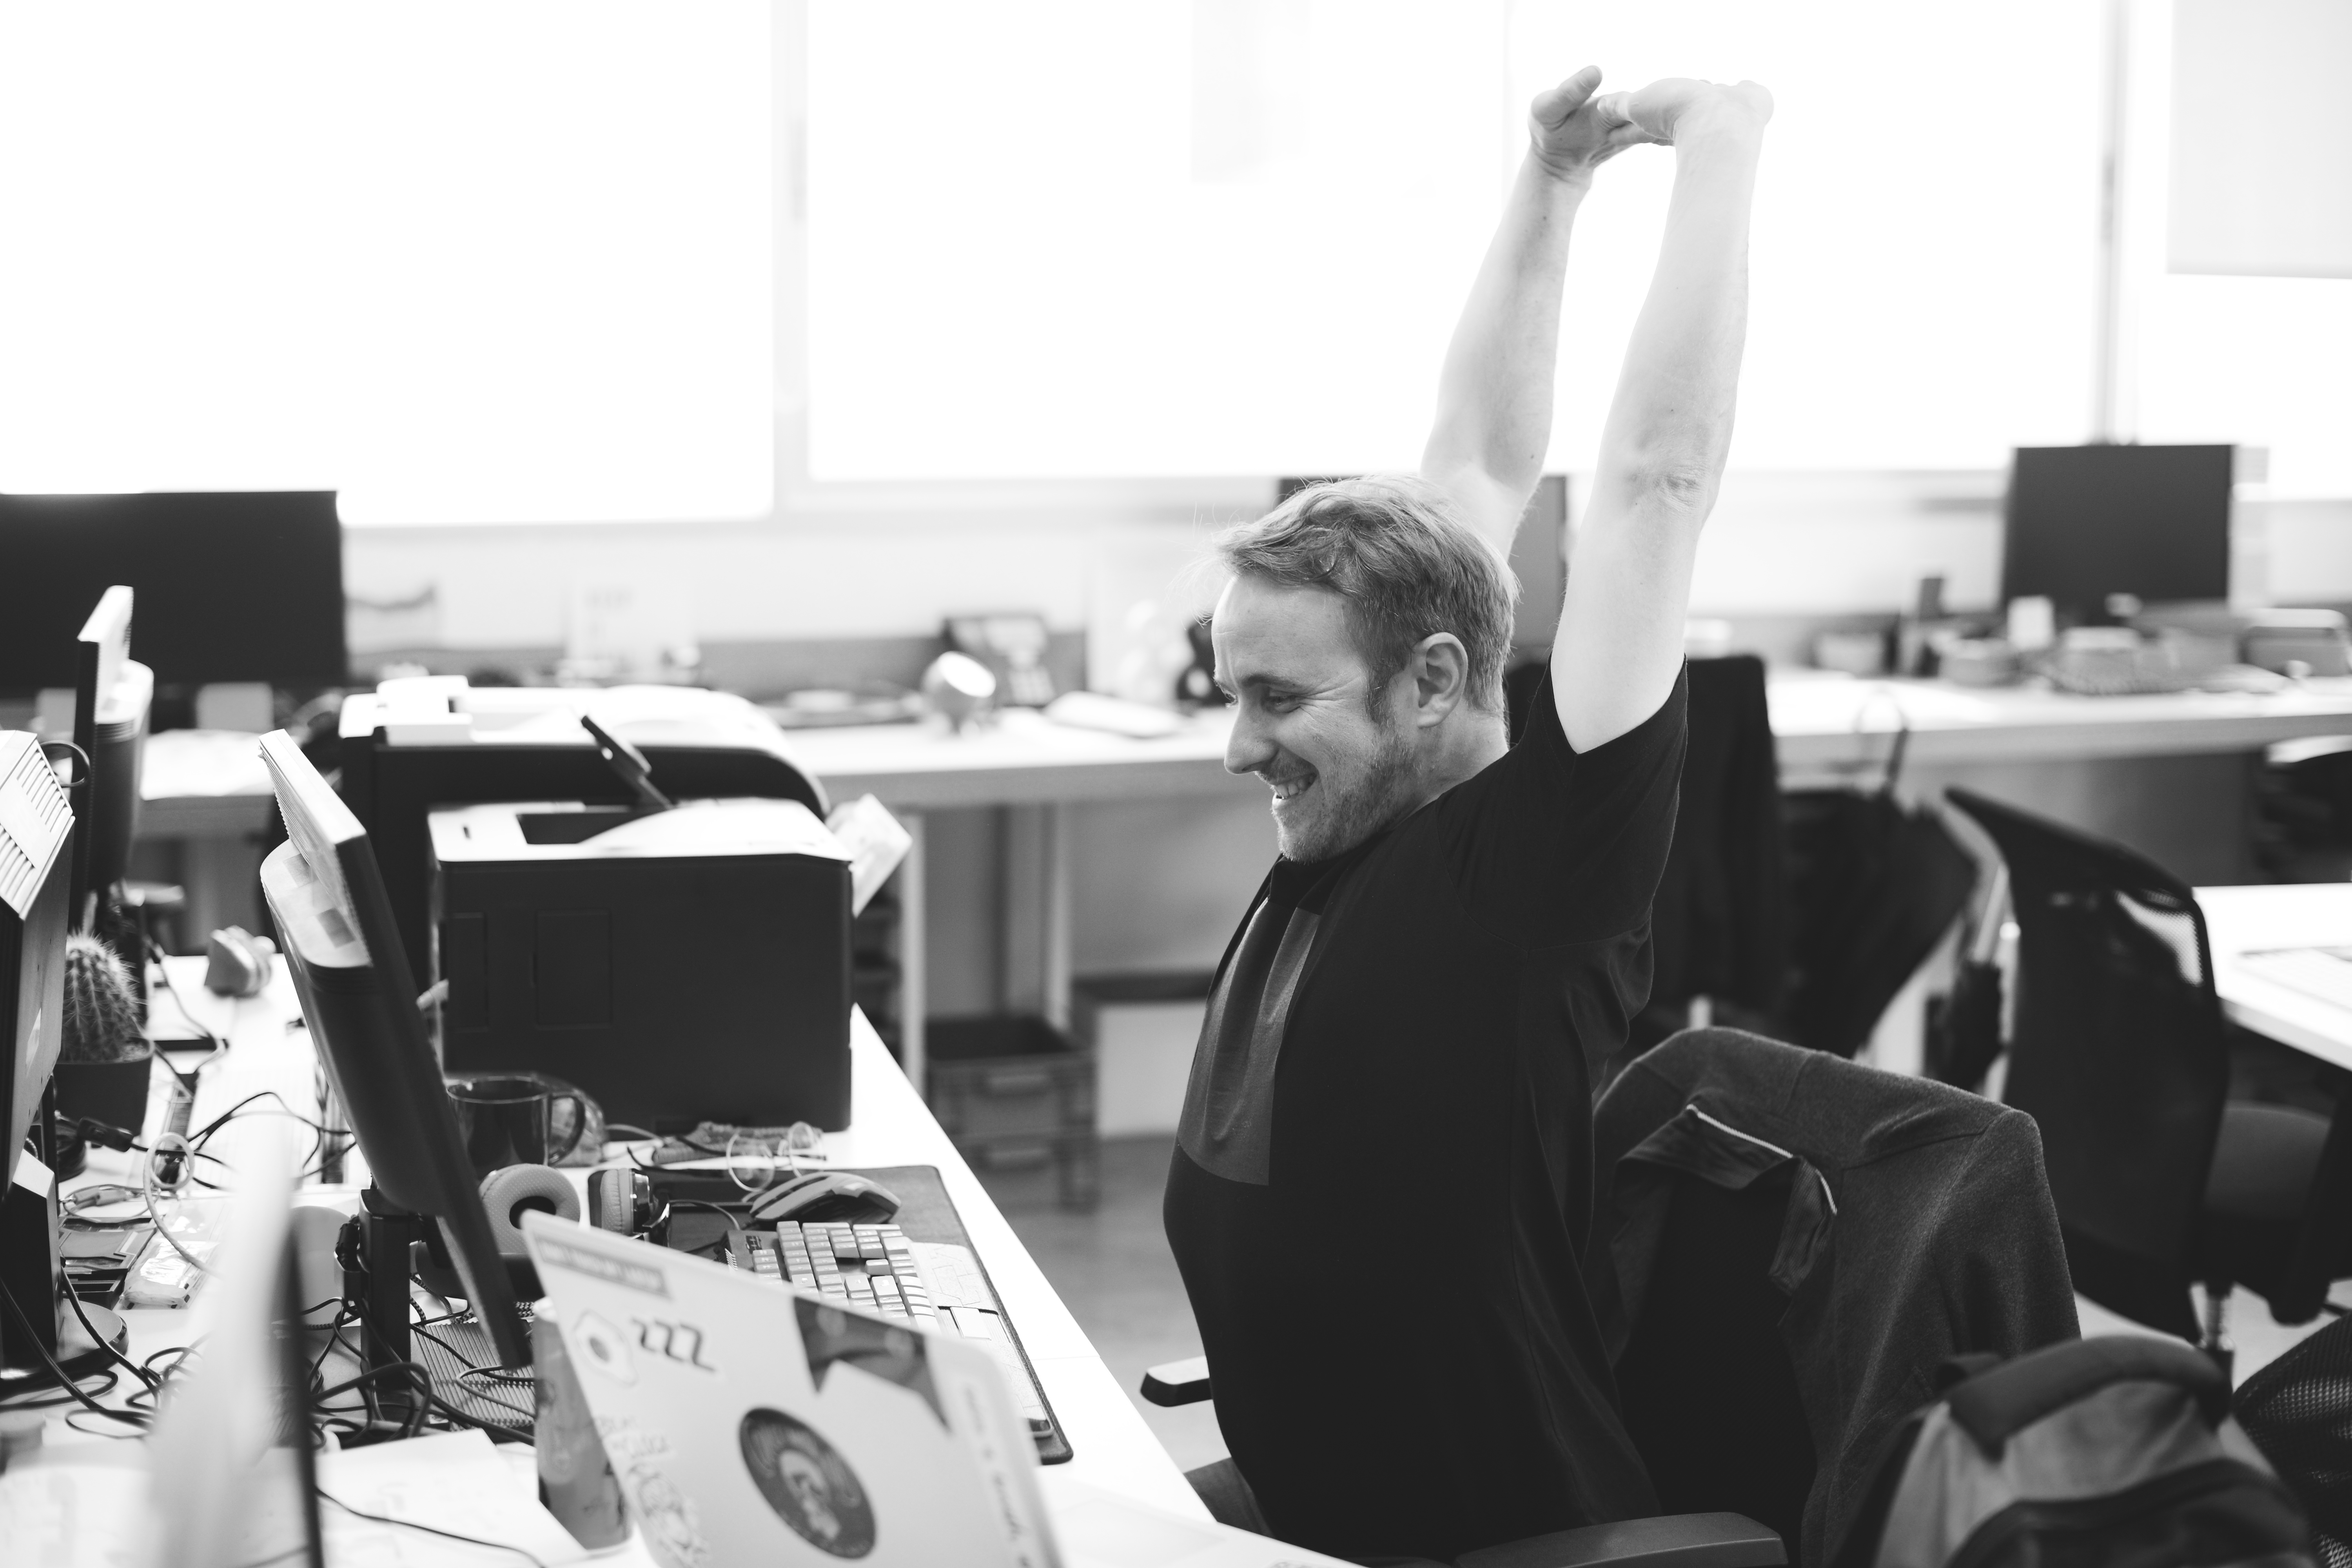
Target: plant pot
(113, 1092)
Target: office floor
(1114, 1270)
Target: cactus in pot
(106, 1057)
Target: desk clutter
(458, 1286)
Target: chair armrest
(1671, 1541)
(1178, 1381)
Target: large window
(2239, 307)
(1229, 236)
(459, 261)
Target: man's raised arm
(1662, 452)
(1494, 397)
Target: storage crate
(1016, 1092)
(1143, 1029)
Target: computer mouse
(827, 1195)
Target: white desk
(1037, 769)
(1828, 727)
(1112, 1447)
(2303, 914)
(1827, 723)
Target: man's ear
(1440, 672)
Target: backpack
(2116, 1451)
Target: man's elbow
(1668, 485)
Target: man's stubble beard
(1383, 793)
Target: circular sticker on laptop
(809, 1485)
(601, 1344)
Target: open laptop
(750, 1423)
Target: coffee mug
(517, 1118)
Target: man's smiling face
(1302, 721)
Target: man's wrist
(1571, 178)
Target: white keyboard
(932, 1284)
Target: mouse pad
(925, 1213)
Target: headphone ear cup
(619, 1201)
(511, 1191)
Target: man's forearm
(1495, 396)
(1669, 427)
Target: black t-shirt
(1382, 1183)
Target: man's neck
(1469, 743)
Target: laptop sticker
(893, 1354)
(642, 1277)
(809, 1486)
(680, 1342)
(672, 1528)
(597, 1342)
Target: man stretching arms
(1382, 1191)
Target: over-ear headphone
(621, 1201)
(513, 1191)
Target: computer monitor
(358, 995)
(36, 873)
(111, 696)
(43, 1331)
(231, 586)
(2086, 523)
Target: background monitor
(358, 995)
(36, 871)
(2086, 522)
(111, 696)
(231, 586)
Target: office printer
(421, 741)
(677, 964)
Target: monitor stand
(389, 1249)
(30, 1268)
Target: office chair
(1759, 1207)
(1719, 925)
(2119, 1052)
(1718, 1538)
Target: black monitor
(231, 586)
(2085, 523)
(358, 995)
(35, 872)
(111, 696)
(42, 1334)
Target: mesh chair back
(2298, 1410)
(2116, 1052)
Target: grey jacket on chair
(1918, 1225)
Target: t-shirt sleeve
(1554, 845)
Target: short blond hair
(1393, 547)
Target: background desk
(2168, 774)
(1830, 726)
(2239, 921)
(2171, 775)
(1035, 769)
(1112, 1447)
